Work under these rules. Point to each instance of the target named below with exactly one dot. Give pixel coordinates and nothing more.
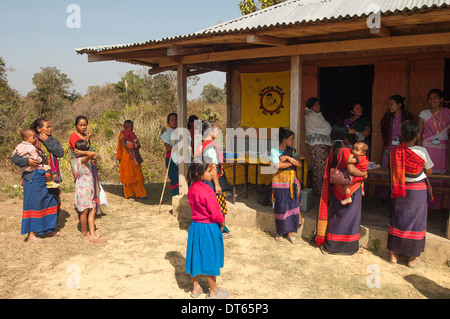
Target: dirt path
(145, 257)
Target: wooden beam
(265, 40)
(141, 54)
(182, 115)
(210, 66)
(381, 32)
(296, 98)
(169, 61)
(156, 69)
(197, 72)
(347, 46)
(176, 50)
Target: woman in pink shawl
(434, 126)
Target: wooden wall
(409, 76)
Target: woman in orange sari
(130, 163)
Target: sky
(41, 33)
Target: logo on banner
(271, 101)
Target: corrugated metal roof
(296, 12)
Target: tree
(212, 94)
(249, 6)
(51, 89)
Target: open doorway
(340, 87)
(447, 83)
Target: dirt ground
(144, 258)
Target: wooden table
(380, 176)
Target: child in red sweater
(205, 249)
(359, 158)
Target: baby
(359, 158)
(132, 142)
(28, 149)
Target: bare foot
(413, 262)
(53, 234)
(97, 239)
(33, 239)
(393, 257)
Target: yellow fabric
(265, 179)
(265, 99)
(130, 174)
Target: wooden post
(296, 98)
(182, 118)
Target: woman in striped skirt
(409, 167)
(286, 187)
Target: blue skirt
(40, 207)
(205, 250)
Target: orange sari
(130, 174)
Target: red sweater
(204, 205)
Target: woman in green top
(358, 123)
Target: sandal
(221, 294)
(197, 294)
(227, 235)
(292, 240)
(279, 238)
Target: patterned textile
(408, 221)
(221, 198)
(403, 161)
(40, 207)
(319, 155)
(338, 192)
(92, 167)
(286, 198)
(84, 186)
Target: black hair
(191, 119)
(208, 125)
(338, 133)
(284, 134)
(436, 91)
(198, 167)
(38, 123)
(409, 130)
(352, 138)
(82, 145)
(311, 102)
(399, 100)
(170, 114)
(79, 118)
(127, 122)
(352, 106)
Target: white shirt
(423, 154)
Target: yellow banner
(265, 99)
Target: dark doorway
(447, 83)
(340, 87)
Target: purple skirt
(287, 210)
(344, 225)
(408, 222)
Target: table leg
(234, 183)
(246, 180)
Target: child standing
(205, 249)
(359, 158)
(84, 192)
(28, 149)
